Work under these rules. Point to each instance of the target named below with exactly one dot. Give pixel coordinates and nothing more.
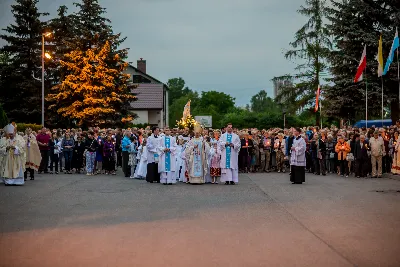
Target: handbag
(350, 157)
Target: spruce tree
(90, 93)
(355, 23)
(92, 33)
(64, 28)
(311, 45)
(21, 93)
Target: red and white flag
(361, 66)
(317, 99)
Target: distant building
(280, 83)
(151, 106)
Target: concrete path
(76, 220)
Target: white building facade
(151, 106)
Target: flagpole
(366, 99)
(398, 72)
(382, 98)
(320, 110)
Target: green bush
(21, 127)
(139, 126)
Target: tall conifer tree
(355, 23)
(102, 94)
(20, 93)
(311, 46)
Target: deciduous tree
(90, 92)
(311, 46)
(261, 102)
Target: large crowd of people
(200, 156)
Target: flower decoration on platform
(189, 122)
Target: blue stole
(197, 160)
(167, 155)
(228, 151)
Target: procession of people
(200, 155)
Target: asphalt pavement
(78, 220)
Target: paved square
(76, 220)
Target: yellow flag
(380, 58)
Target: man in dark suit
(361, 157)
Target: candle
(247, 143)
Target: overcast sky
(234, 46)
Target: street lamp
(44, 55)
(284, 118)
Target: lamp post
(284, 118)
(46, 34)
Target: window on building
(140, 79)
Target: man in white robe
(298, 158)
(196, 157)
(12, 159)
(153, 142)
(33, 156)
(229, 143)
(167, 151)
(180, 160)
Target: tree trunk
(394, 111)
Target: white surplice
(167, 176)
(152, 145)
(180, 163)
(230, 174)
(141, 169)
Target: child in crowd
(215, 169)
(132, 156)
(141, 169)
(181, 160)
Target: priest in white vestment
(196, 152)
(33, 156)
(153, 142)
(229, 144)
(167, 151)
(12, 151)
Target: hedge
(21, 127)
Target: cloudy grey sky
(234, 46)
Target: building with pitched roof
(151, 106)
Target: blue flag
(395, 46)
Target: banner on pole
(206, 121)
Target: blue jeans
(90, 158)
(68, 160)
